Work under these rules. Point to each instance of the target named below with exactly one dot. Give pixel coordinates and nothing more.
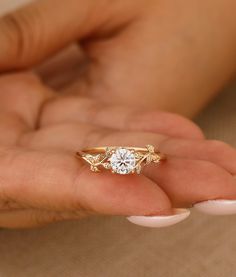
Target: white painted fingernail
(160, 220)
(217, 207)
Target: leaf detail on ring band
(150, 148)
(149, 159)
(94, 168)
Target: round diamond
(122, 161)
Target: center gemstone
(122, 161)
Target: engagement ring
(119, 159)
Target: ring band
(120, 159)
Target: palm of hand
(41, 181)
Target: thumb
(39, 29)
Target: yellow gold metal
(100, 157)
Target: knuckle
(21, 33)
(17, 34)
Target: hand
(152, 53)
(42, 181)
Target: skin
(178, 52)
(43, 182)
(100, 104)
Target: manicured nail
(160, 220)
(217, 207)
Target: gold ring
(120, 159)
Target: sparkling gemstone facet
(122, 161)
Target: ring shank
(103, 149)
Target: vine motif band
(119, 159)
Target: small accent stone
(106, 165)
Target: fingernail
(160, 221)
(217, 207)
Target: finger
(32, 218)
(145, 63)
(52, 26)
(59, 182)
(87, 110)
(74, 136)
(191, 181)
(21, 98)
(185, 181)
(113, 28)
(215, 151)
